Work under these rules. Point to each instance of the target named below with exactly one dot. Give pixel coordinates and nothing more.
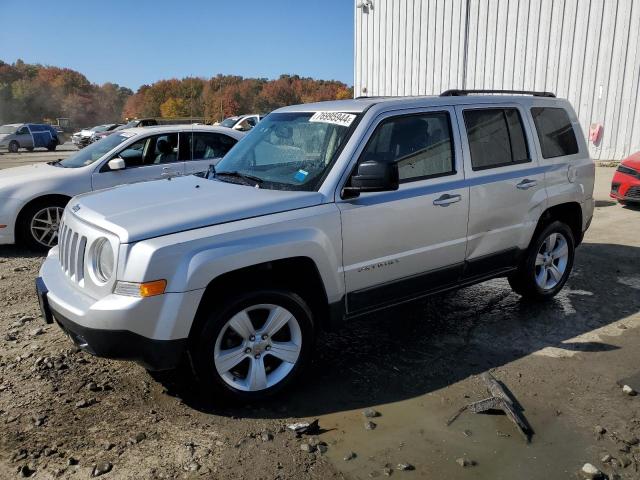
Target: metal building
(585, 50)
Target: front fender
(191, 260)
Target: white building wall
(585, 50)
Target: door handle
(526, 184)
(446, 200)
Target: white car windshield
(287, 151)
(229, 122)
(93, 152)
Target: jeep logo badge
(75, 208)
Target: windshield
(229, 122)
(288, 151)
(8, 129)
(93, 152)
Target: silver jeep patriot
(322, 212)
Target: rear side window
(422, 145)
(496, 137)
(206, 145)
(555, 132)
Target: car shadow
(18, 251)
(423, 346)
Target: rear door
(199, 150)
(149, 158)
(400, 244)
(506, 183)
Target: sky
(137, 42)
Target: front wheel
(254, 345)
(14, 146)
(39, 224)
(547, 264)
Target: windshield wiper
(241, 175)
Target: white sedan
(33, 197)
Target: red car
(625, 186)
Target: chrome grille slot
(72, 248)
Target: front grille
(71, 250)
(633, 193)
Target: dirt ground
(65, 414)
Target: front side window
(496, 137)
(93, 152)
(287, 151)
(205, 145)
(555, 132)
(153, 150)
(23, 131)
(422, 145)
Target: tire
(33, 222)
(232, 375)
(52, 146)
(14, 146)
(541, 275)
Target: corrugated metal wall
(585, 50)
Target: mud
(62, 411)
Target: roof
(358, 105)
(183, 128)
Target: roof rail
(459, 93)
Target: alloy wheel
(45, 225)
(551, 261)
(258, 347)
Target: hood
(151, 209)
(632, 161)
(14, 178)
(4, 135)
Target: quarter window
(555, 132)
(496, 137)
(422, 145)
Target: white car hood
(12, 179)
(151, 209)
(4, 135)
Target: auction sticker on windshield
(336, 118)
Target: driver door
(402, 244)
(150, 158)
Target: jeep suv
(322, 212)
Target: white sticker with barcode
(337, 118)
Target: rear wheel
(52, 146)
(254, 345)
(39, 224)
(14, 146)
(547, 264)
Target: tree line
(225, 95)
(35, 93)
(38, 93)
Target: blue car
(28, 135)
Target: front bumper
(625, 188)
(150, 331)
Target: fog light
(145, 289)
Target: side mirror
(117, 164)
(373, 176)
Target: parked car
(33, 197)
(625, 186)
(28, 136)
(141, 122)
(100, 135)
(88, 135)
(244, 123)
(326, 212)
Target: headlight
(103, 260)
